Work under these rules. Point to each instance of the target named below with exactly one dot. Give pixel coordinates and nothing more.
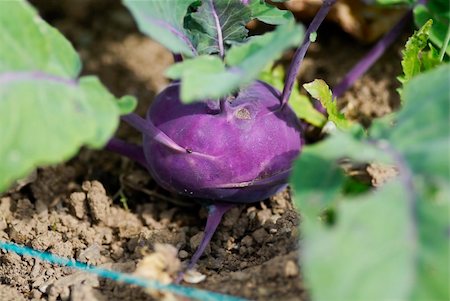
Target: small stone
(247, 241)
(231, 217)
(183, 254)
(193, 277)
(36, 294)
(90, 254)
(291, 269)
(116, 251)
(64, 249)
(3, 224)
(259, 235)
(5, 207)
(263, 216)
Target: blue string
(117, 276)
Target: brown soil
(74, 209)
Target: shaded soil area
(106, 210)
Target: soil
(106, 210)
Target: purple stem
(146, 127)
(371, 57)
(177, 57)
(130, 150)
(301, 51)
(215, 215)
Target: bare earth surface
(74, 210)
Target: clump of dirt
(104, 210)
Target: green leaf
(245, 62)
(127, 104)
(433, 259)
(30, 43)
(202, 78)
(391, 243)
(430, 59)
(422, 132)
(220, 23)
(393, 2)
(163, 21)
(253, 56)
(320, 90)
(204, 64)
(439, 11)
(46, 113)
(367, 255)
(411, 62)
(301, 104)
(268, 13)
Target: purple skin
(241, 154)
(238, 152)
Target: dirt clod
(98, 202)
(77, 204)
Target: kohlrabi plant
(216, 133)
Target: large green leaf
(422, 132)
(433, 259)
(368, 254)
(391, 243)
(245, 62)
(220, 24)
(28, 43)
(163, 21)
(46, 113)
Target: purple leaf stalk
(374, 54)
(371, 57)
(301, 51)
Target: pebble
(263, 216)
(259, 235)
(193, 277)
(291, 269)
(183, 254)
(247, 241)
